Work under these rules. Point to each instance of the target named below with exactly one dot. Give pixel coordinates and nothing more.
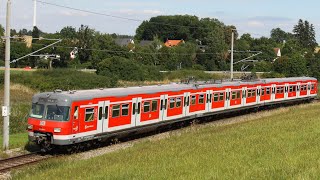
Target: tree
(85, 37)
(305, 34)
(280, 36)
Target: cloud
(270, 19)
(255, 24)
(73, 13)
(138, 12)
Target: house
(126, 42)
(172, 43)
(277, 51)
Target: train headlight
(57, 130)
(30, 126)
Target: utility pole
(34, 13)
(6, 107)
(231, 63)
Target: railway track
(19, 161)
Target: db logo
(42, 123)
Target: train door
(286, 91)
(298, 90)
(309, 89)
(273, 92)
(136, 111)
(163, 107)
(208, 100)
(75, 121)
(244, 96)
(186, 104)
(103, 116)
(227, 98)
(258, 94)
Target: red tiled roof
(171, 43)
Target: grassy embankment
(277, 144)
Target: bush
(64, 79)
(183, 74)
(128, 70)
(272, 75)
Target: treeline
(206, 47)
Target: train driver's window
(89, 114)
(115, 111)
(76, 112)
(124, 109)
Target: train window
(221, 96)
(249, 93)
(124, 109)
(291, 89)
(146, 107)
(254, 93)
(178, 103)
(165, 104)
(201, 99)
(172, 101)
(267, 90)
(89, 114)
(262, 91)
(115, 111)
(57, 113)
(312, 86)
(216, 97)
(154, 105)
(75, 113)
(193, 99)
(234, 95)
(106, 112)
(294, 88)
(309, 87)
(100, 113)
(238, 94)
(37, 111)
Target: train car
(63, 118)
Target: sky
(256, 17)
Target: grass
(280, 144)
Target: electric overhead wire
(130, 19)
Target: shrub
(64, 79)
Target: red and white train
(72, 117)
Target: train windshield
(37, 111)
(57, 113)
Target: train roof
(173, 87)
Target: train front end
(48, 122)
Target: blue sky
(253, 16)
